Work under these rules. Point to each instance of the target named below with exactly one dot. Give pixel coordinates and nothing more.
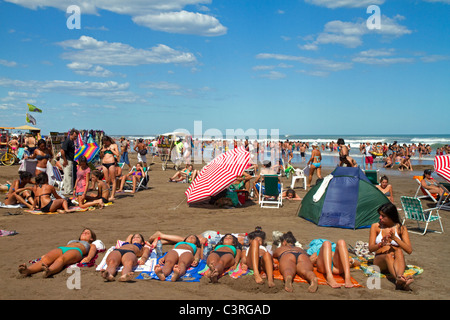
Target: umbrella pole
(175, 208)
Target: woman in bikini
(292, 261)
(136, 174)
(127, 256)
(42, 154)
(19, 193)
(184, 254)
(315, 161)
(386, 188)
(109, 153)
(226, 254)
(330, 259)
(431, 185)
(81, 250)
(257, 258)
(42, 200)
(388, 239)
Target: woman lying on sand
(332, 259)
(127, 256)
(226, 254)
(388, 239)
(185, 253)
(292, 261)
(81, 250)
(257, 258)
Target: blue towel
(192, 274)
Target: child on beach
(102, 188)
(82, 184)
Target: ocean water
(330, 159)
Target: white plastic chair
(299, 175)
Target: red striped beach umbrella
(442, 166)
(218, 175)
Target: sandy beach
(161, 207)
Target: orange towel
(320, 276)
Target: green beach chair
(270, 193)
(414, 211)
(372, 175)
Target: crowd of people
(388, 239)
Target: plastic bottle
(159, 252)
(206, 250)
(217, 239)
(211, 242)
(246, 241)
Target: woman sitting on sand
(81, 250)
(388, 239)
(42, 154)
(184, 254)
(19, 193)
(257, 258)
(136, 174)
(386, 188)
(42, 200)
(127, 256)
(292, 261)
(188, 172)
(226, 254)
(330, 259)
(406, 164)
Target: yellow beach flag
(32, 108)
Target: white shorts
(141, 158)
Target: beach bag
(143, 152)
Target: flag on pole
(31, 119)
(32, 108)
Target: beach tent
(344, 199)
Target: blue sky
(299, 66)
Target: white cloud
(350, 34)
(273, 75)
(168, 14)
(380, 57)
(88, 50)
(333, 4)
(108, 90)
(87, 69)
(7, 63)
(182, 22)
(434, 58)
(325, 64)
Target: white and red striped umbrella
(442, 166)
(218, 175)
